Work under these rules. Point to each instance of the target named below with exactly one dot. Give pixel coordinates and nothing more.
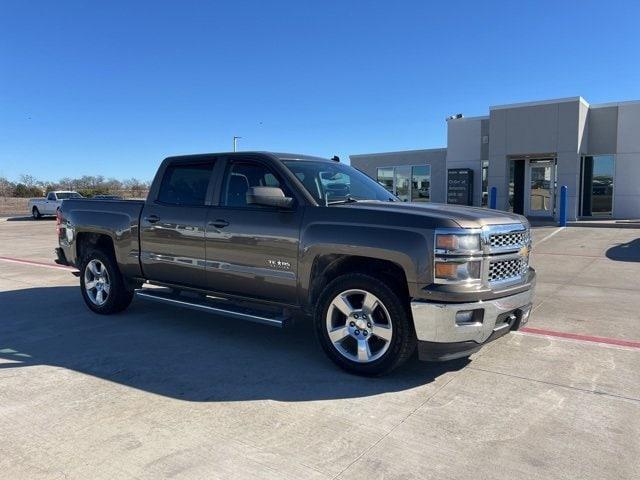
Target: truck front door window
(244, 175)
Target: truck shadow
(183, 354)
(625, 252)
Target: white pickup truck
(49, 205)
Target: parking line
(36, 263)
(557, 230)
(585, 338)
(535, 331)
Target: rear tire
(101, 283)
(35, 213)
(363, 325)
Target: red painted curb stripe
(585, 338)
(36, 263)
(537, 331)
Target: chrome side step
(205, 305)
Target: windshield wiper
(347, 199)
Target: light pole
(235, 143)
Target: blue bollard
(493, 198)
(563, 206)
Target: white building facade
(527, 151)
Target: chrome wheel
(96, 282)
(359, 326)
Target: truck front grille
(511, 239)
(504, 270)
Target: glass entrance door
(542, 177)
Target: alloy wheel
(359, 326)
(96, 282)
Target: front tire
(102, 286)
(35, 213)
(363, 325)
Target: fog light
(466, 317)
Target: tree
(136, 187)
(28, 180)
(6, 187)
(24, 191)
(87, 185)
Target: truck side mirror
(268, 197)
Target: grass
(14, 206)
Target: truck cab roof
(274, 155)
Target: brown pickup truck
(270, 237)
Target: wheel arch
(328, 267)
(86, 241)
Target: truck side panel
(406, 248)
(117, 219)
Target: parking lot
(161, 392)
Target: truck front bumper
(447, 331)
(61, 258)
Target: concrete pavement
(159, 392)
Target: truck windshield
(337, 183)
(65, 195)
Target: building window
(485, 183)
(597, 174)
(410, 183)
(421, 183)
(403, 183)
(385, 178)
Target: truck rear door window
(185, 184)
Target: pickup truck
(258, 236)
(49, 205)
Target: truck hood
(465, 217)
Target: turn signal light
(447, 242)
(460, 271)
(446, 270)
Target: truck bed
(118, 219)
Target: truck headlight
(454, 271)
(457, 243)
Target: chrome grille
(511, 239)
(511, 269)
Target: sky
(112, 88)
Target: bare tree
(6, 187)
(29, 180)
(88, 185)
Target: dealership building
(527, 151)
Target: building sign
(460, 186)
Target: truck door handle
(218, 223)
(152, 218)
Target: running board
(276, 319)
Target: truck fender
(406, 248)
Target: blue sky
(113, 87)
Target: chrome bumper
(436, 322)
